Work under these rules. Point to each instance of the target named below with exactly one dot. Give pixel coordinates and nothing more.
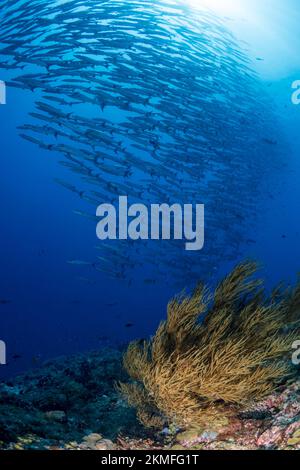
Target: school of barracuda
(149, 99)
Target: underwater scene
(150, 261)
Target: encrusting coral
(216, 354)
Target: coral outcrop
(36, 415)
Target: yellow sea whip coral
(216, 354)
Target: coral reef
(216, 354)
(35, 414)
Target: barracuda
(152, 99)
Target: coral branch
(215, 354)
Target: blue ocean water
(245, 140)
